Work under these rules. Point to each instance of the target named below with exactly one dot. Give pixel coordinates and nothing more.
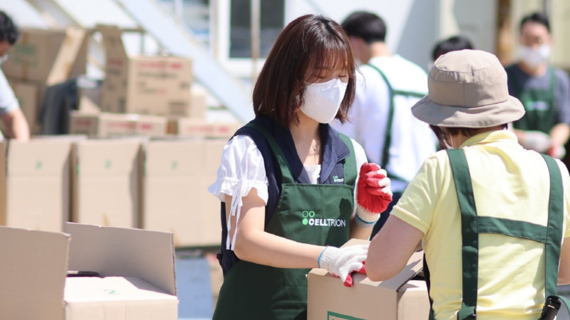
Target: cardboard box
(105, 125)
(173, 198)
(399, 298)
(142, 84)
(137, 269)
(108, 182)
(48, 56)
(176, 197)
(212, 232)
(28, 95)
(38, 184)
(189, 127)
(196, 127)
(224, 129)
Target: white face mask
(534, 57)
(322, 100)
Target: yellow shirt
(508, 182)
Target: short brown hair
(468, 132)
(306, 47)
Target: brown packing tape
(67, 55)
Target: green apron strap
(281, 159)
(350, 170)
(388, 137)
(555, 221)
(470, 232)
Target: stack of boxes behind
(42, 58)
(149, 180)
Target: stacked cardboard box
(142, 84)
(107, 189)
(38, 184)
(136, 269)
(104, 125)
(42, 58)
(176, 199)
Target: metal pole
(255, 33)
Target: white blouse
(243, 168)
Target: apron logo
(336, 179)
(306, 215)
(309, 219)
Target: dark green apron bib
(472, 225)
(314, 214)
(388, 136)
(539, 106)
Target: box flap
(104, 158)
(74, 40)
(32, 273)
(112, 41)
(123, 252)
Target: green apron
(472, 225)
(388, 136)
(314, 214)
(539, 105)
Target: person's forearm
(271, 250)
(559, 134)
(17, 125)
(357, 232)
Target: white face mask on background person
(322, 100)
(534, 57)
(4, 58)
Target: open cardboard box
(137, 269)
(398, 298)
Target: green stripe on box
(337, 316)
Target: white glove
(536, 140)
(342, 262)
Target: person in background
(380, 118)
(454, 43)
(10, 111)
(492, 217)
(543, 90)
(287, 179)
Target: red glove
(373, 194)
(348, 282)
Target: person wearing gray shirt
(10, 112)
(543, 90)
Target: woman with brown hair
(287, 179)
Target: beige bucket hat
(468, 89)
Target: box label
(337, 316)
